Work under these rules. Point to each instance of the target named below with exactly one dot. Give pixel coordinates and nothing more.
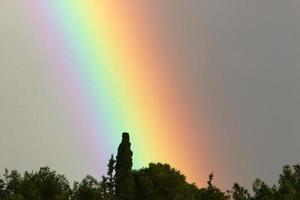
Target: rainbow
(115, 68)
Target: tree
(161, 182)
(287, 189)
(211, 192)
(239, 193)
(13, 182)
(42, 185)
(2, 189)
(297, 179)
(111, 178)
(52, 186)
(28, 188)
(88, 189)
(261, 191)
(104, 188)
(124, 178)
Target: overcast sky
(257, 48)
(254, 65)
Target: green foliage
(2, 189)
(124, 178)
(111, 178)
(104, 188)
(160, 181)
(155, 182)
(29, 189)
(262, 191)
(13, 182)
(51, 185)
(88, 189)
(211, 192)
(239, 193)
(42, 185)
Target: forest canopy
(158, 181)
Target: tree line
(156, 182)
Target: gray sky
(253, 51)
(252, 63)
(257, 47)
(35, 127)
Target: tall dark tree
(124, 178)
(104, 188)
(111, 177)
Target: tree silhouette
(111, 178)
(160, 181)
(239, 193)
(41, 185)
(211, 192)
(155, 182)
(50, 185)
(124, 178)
(210, 180)
(2, 189)
(88, 189)
(261, 190)
(104, 188)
